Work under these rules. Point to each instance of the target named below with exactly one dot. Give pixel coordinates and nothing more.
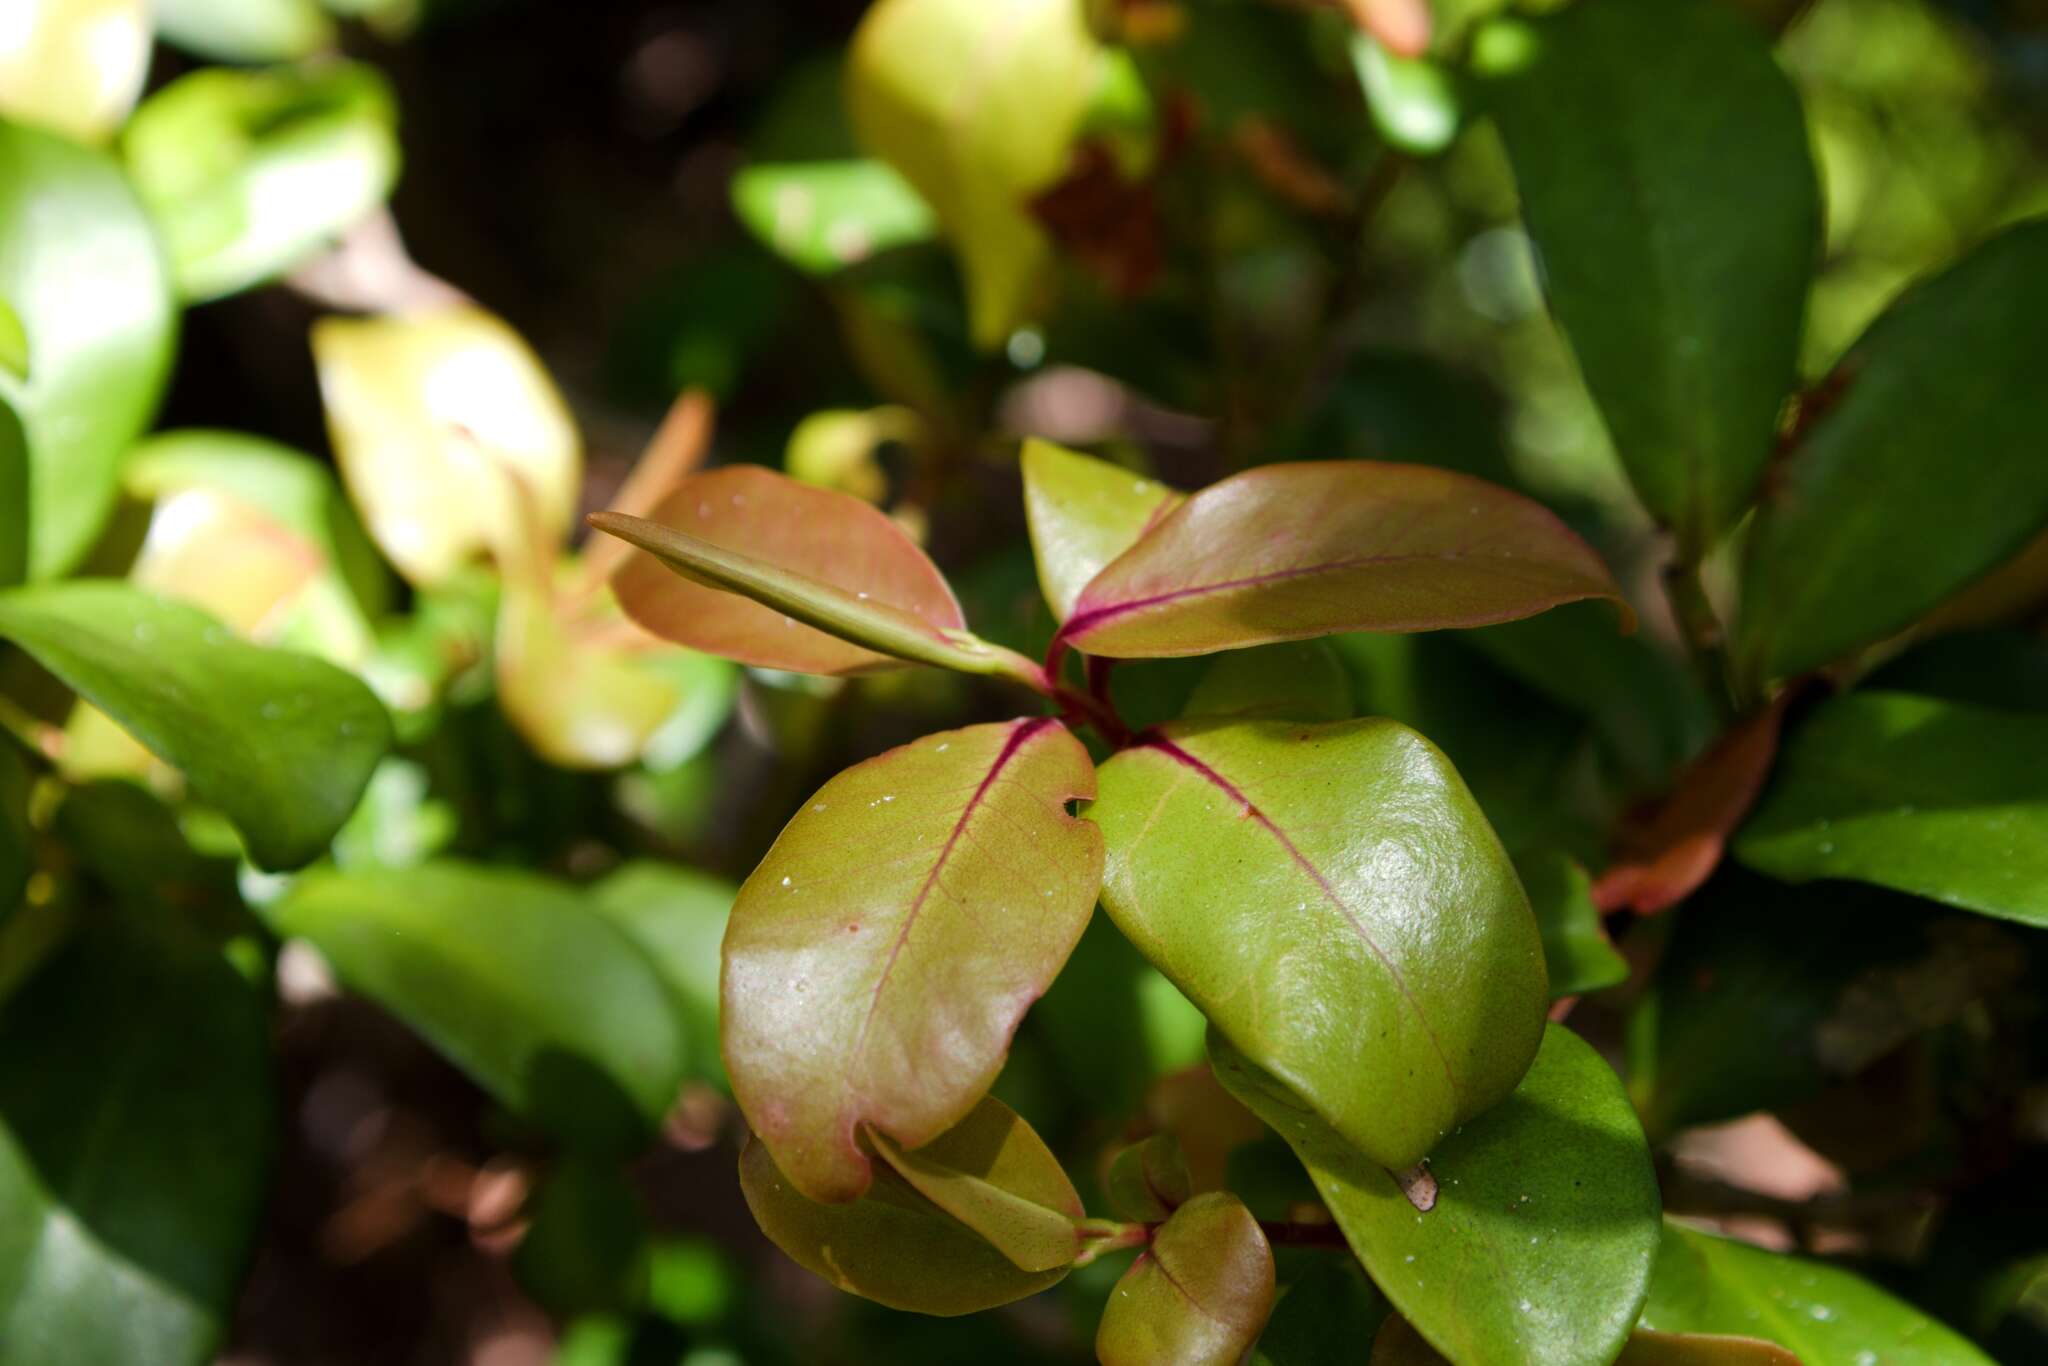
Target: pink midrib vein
(1082, 622)
(1301, 861)
(1019, 737)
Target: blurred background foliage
(1267, 239)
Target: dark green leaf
(899, 927)
(82, 269)
(136, 1127)
(248, 173)
(1706, 1284)
(821, 216)
(1269, 868)
(586, 1252)
(283, 743)
(17, 836)
(2006, 669)
(1112, 1023)
(1322, 1318)
(1942, 800)
(516, 978)
(677, 916)
(1296, 680)
(1924, 474)
(1656, 142)
(898, 1248)
(1539, 1244)
(1575, 945)
(1197, 1296)
(14, 497)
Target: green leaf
(1922, 476)
(586, 1251)
(282, 743)
(882, 954)
(17, 835)
(1268, 869)
(677, 916)
(14, 497)
(975, 1171)
(785, 575)
(1658, 143)
(1576, 948)
(74, 66)
(1413, 100)
(1295, 680)
(822, 216)
(1999, 668)
(515, 978)
(14, 352)
(1198, 1295)
(1286, 552)
(81, 267)
(977, 104)
(245, 30)
(1538, 1248)
(1083, 513)
(898, 1248)
(1829, 1317)
(1398, 1344)
(249, 173)
(1322, 1317)
(450, 435)
(136, 1129)
(1148, 1180)
(1942, 800)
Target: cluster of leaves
(1365, 762)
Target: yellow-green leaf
(1083, 513)
(975, 1171)
(1198, 1296)
(75, 66)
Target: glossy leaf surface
(1539, 1247)
(1924, 475)
(74, 66)
(1659, 143)
(1198, 1295)
(247, 173)
(822, 216)
(898, 1248)
(80, 265)
(1291, 551)
(677, 916)
(1825, 1315)
(136, 1128)
(434, 416)
(885, 949)
(516, 979)
(989, 1172)
(1268, 869)
(1939, 799)
(1083, 513)
(1398, 1344)
(282, 743)
(976, 103)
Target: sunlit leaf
(75, 66)
(136, 1130)
(1924, 475)
(14, 497)
(1942, 800)
(839, 448)
(895, 1246)
(1659, 143)
(1292, 551)
(281, 742)
(976, 103)
(1084, 513)
(1576, 948)
(975, 1171)
(677, 916)
(1269, 868)
(433, 416)
(516, 978)
(14, 350)
(883, 952)
(1413, 100)
(1539, 1245)
(821, 216)
(245, 30)
(81, 268)
(1825, 1315)
(752, 565)
(1199, 1294)
(248, 173)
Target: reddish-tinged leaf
(812, 534)
(1287, 552)
(1207, 1121)
(1199, 1296)
(1667, 856)
(881, 956)
(894, 1245)
(1149, 1180)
